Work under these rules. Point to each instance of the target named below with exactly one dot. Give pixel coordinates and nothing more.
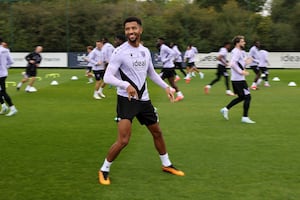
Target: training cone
(54, 83)
(292, 84)
(275, 79)
(74, 78)
(32, 89)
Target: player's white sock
(165, 160)
(106, 166)
(27, 88)
(12, 107)
(100, 90)
(188, 76)
(201, 75)
(253, 84)
(19, 85)
(179, 93)
(259, 81)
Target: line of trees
(70, 25)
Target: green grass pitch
(54, 146)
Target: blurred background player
(88, 72)
(96, 59)
(262, 65)
(5, 61)
(107, 50)
(195, 49)
(4, 44)
(254, 54)
(119, 39)
(221, 70)
(178, 61)
(189, 59)
(238, 72)
(33, 59)
(167, 56)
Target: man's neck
(134, 44)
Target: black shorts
(88, 69)
(168, 73)
(240, 88)
(31, 72)
(99, 74)
(264, 70)
(255, 69)
(192, 64)
(222, 71)
(142, 110)
(178, 65)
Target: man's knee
(248, 97)
(123, 142)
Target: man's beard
(136, 38)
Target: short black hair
(133, 19)
(121, 37)
(104, 40)
(1, 40)
(226, 43)
(263, 47)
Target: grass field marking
(52, 75)
(38, 78)
(12, 83)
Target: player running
(167, 56)
(5, 61)
(221, 70)
(96, 59)
(34, 59)
(189, 59)
(88, 72)
(262, 65)
(107, 51)
(178, 61)
(254, 54)
(238, 72)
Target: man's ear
(141, 30)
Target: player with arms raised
(128, 68)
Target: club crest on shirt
(143, 53)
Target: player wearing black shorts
(96, 60)
(167, 56)
(178, 61)
(33, 59)
(5, 62)
(238, 72)
(189, 59)
(128, 69)
(221, 69)
(254, 54)
(99, 74)
(88, 69)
